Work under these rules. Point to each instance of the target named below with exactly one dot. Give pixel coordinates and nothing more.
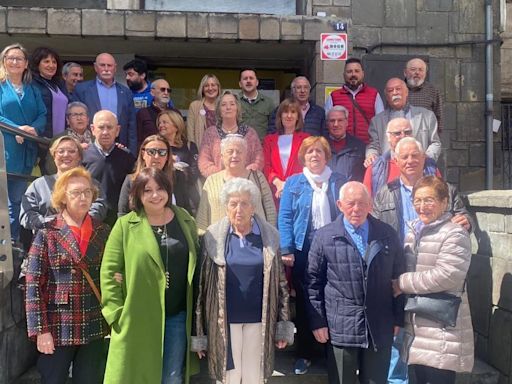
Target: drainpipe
(489, 96)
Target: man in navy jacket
(348, 279)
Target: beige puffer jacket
(443, 257)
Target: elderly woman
(308, 203)
(22, 107)
(155, 151)
(229, 115)
(281, 149)
(438, 254)
(201, 112)
(172, 126)
(62, 297)
(154, 248)
(36, 205)
(233, 149)
(242, 308)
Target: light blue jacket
(295, 209)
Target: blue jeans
(175, 346)
(398, 371)
(15, 190)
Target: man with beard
(421, 92)
(423, 122)
(136, 75)
(362, 101)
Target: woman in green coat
(149, 310)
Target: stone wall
(490, 279)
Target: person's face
(105, 129)
(155, 154)
(161, 91)
(397, 132)
(211, 89)
(134, 81)
(105, 67)
(79, 195)
(248, 81)
(289, 119)
(234, 157)
(228, 107)
(66, 156)
(240, 209)
(410, 160)
(314, 158)
(15, 62)
(337, 124)
(427, 205)
(77, 119)
(154, 198)
(356, 205)
(396, 93)
(74, 75)
(415, 72)
(48, 67)
(167, 128)
(300, 90)
(353, 75)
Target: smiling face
(211, 89)
(154, 198)
(78, 197)
(410, 161)
(315, 159)
(289, 120)
(155, 154)
(353, 75)
(48, 67)
(66, 156)
(427, 204)
(74, 75)
(166, 127)
(15, 62)
(355, 205)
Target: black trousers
(88, 364)
(430, 375)
(343, 364)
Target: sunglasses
(407, 132)
(163, 89)
(154, 151)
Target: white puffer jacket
(443, 256)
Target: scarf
(320, 207)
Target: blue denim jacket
(295, 209)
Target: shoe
(301, 366)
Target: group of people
(189, 239)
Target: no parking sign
(334, 46)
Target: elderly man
(72, 73)
(347, 150)
(108, 163)
(104, 93)
(423, 122)
(352, 310)
(256, 108)
(385, 168)
(422, 93)
(362, 101)
(312, 114)
(393, 205)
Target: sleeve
(113, 298)
(272, 122)
(398, 269)
(39, 123)
(367, 181)
(284, 296)
(434, 148)
(267, 200)
(140, 119)
(99, 207)
(132, 128)
(206, 161)
(193, 155)
(315, 280)
(373, 147)
(199, 342)
(285, 221)
(379, 105)
(378, 203)
(268, 168)
(31, 205)
(192, 122)
(123, 205)
(203, 215)
(438, 108)
(254, 149)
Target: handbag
(440, 307)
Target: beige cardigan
(196, 122)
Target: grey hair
(338, 108)
(353, 184)
(75, 104)
(292, 85)
(237, 186)
(233, 139)
(398, 121)
(408, 140)
(67, 67)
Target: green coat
(135, 309)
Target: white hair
(408, 140)
(233, 139)
(353, 184)
(237, 186)
(338, 108)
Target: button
(73, 271)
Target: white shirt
(284, 142)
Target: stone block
(368, 13)
(444, 52)
(501, 244)
(453, 81)
(508, 223)
(432, 27)
(333, 71)
(249, 27)
(470, 122)
(491, 199)
(502, 283)
(479, 288)
(398, 35)
(365, 36)
(171, 24)
(472, 179)
(477, 155)
(321, 2)
(482, 220)
(26, 20)
(314, 26)
(435, 5)
(458, 158)
(64, 22)
(140, 23)
(291, 28)
(473, 81)
(400, 13)
(269, 28)
(343, 3)
(224, 26)
(450, 116)
(471, 10)
(98, 22)
(496, 222)
(3, 20)
(197, 25)
(344, 13)
(464, 52)
(500, 340)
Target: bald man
(104, 93)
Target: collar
(255, 229)
(338, 140)
(248, 99)
(102, 151)
(402, 185)
(351, 229)
(102, 83)
(354, 92)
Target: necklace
(18, 88)
(230, 131)
(161, 230)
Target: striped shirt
(429, 97)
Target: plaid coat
(59, 299)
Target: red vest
(357, 125)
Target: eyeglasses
(75, 193)
(407, 132)
(13, 59)
(428, 202)
(75, 115)
(154, 151)
(163, 89)
(63, 151)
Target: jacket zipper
(368, 328)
